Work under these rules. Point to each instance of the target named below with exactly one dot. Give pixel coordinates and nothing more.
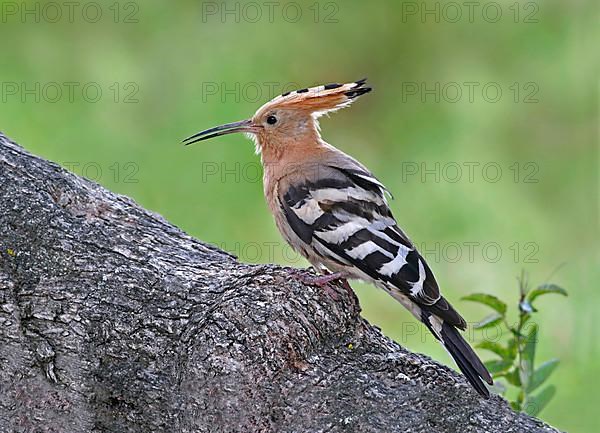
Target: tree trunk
(113, 320)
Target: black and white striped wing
(344, 216)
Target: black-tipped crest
(357, 91)
(360, 82)
(320, 99)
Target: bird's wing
(344, 216)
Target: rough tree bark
(113, 320)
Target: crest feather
(322, 99)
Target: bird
(333, 211)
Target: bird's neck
(290, 149)
(279, 161)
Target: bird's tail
(467, 360)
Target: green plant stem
(520, 342)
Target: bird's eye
(271, 120)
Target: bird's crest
(321, 99)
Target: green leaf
(512, 346)
(489, 300)
(542, 373)
(535, 403)
(515, 405)
(497, 367)
(513, 378)
(496, 348)
(489, 321)
(524, 319)
(544, 289)
(530, 343)
(528, 356)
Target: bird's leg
(324, 280)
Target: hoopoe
(334, 211)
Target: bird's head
(289, 120)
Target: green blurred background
(111, 96)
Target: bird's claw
(323, 281)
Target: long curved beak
(228, 128)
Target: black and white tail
(462, 353)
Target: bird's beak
(228, 128)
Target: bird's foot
(323, 281)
